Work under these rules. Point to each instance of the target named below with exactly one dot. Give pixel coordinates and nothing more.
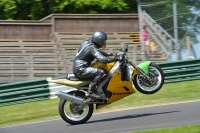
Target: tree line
(38, 9)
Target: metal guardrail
(25, 91)
(178, 71)
(36, 90)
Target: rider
(87, 52)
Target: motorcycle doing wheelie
(122, 78)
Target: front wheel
(145, 86)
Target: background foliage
(162, 13)
(188, 18)
(37, 9)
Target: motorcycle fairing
(118, 88)
(144, 66)
(114, 67)
(107, 66)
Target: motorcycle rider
(87, 52)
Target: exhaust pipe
(70, 98)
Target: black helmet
(99, 38)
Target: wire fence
(178, 19)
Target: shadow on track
(129, 117)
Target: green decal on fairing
(144, 66)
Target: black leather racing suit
(87, 52)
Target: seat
(69, 80)
(74, 78)
(70, 77)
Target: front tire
(144, 86)
(67, 111)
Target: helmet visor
(105, 44)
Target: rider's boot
(92, 90)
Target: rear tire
(66, 112)
(144, 87)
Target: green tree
(162, 13)
(37, 9)
(7, 9)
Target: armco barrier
(179, 71)
(25, 91)
(35, 90)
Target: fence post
(31, 67)
(140, 14)
(188, 45)
(176, 30)
(12, 70)
(56, 41)
(135, 55)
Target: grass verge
(44, 110)
(181, 129)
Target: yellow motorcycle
(122, 78)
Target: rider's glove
(110, 54)
(120, 58)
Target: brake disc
(144, 81)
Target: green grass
(181, 129)
(44, 110)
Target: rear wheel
(74, 113)
(150, 87)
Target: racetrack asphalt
(169, 115)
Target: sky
(184, 52)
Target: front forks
(142, 68)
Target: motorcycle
(121, 81)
